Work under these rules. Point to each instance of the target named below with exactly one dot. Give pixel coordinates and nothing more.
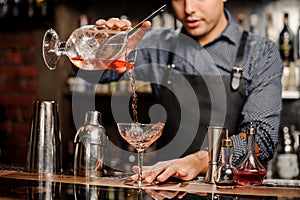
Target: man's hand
(186, 168)
(165, 194)
(123, 25)
(114, 23)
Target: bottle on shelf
(292, 78)
(44, 8)
(286, 42)
(226, 175)
(253, 24)
(241, 20)
(296, 135)
(287, 159)
(3, 9)
(16, 8)
(298, 39)
(250, 170)
(271, 32)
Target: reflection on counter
(22, 185)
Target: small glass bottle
(250, 171)
(226, 175)
(90, 147)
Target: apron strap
(237, 70)
(170, 64)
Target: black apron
(194, 102)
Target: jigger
(214, 134)
(44, 143)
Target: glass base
(49, 49)
(226, 186)
(138, 183)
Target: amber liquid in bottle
(226, 175)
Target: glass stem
(140, 165)
(61, 48)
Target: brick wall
(18, 89)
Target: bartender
(207, 72)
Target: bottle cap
(93, 117)
(227, 142)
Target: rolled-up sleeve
(264, 103)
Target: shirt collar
(232, 31)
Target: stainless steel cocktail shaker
(90, 147)
(44, 144)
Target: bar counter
(22, 185)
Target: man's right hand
(123, 25)
(186, 168)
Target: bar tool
(214, 144)
(90, 147)
(44, 144)
(226, 175)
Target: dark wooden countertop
(193, 187)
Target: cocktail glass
(140, 136)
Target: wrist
(200, 161)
